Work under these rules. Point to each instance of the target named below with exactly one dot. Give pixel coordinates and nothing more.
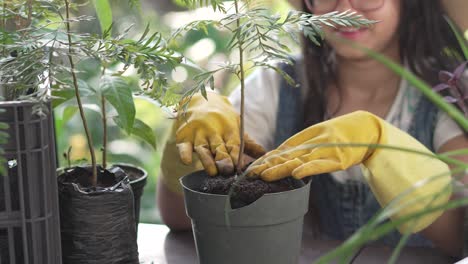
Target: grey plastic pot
(268, 231)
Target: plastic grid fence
(29, 215)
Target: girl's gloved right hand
(211, 128)
(410, 180)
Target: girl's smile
(351, 33)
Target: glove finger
(256, 170)
(233, 148)
(270, 159)
(315, 167)
(185, 152)
(252, 148)
(206, 159)
(281, 171)
(265, 161)
(222, 158)
(276, 157)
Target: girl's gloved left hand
(356, 138)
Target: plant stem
(29, 13)
(4, 24)
(104, 125)
(68, 156)
(240, 162)
(78, 97)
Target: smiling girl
(362, 100)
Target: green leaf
(459, 37)
(203, 92)
(88, 68)
(93, 108)
(69, 112)
(104, 13)
(141, 130)
(215, 4)
(118, 93)
(60, 96)
(145, 33)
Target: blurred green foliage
(161, 16)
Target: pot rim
(123, 164)
(224, 196)
(293, 204)
(62, 171)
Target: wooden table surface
(157, 245)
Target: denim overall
(344, 207)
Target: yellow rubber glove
(211, 128)
(172, 169)
(390, 173)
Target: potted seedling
(96, 203)
(110, 94)
(235, 219)
(28, 188)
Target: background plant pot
(97, 224)
(29, 214)
(138, 178)
(268, 231)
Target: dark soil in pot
(97, 223)
(246, 190)
(81, 176)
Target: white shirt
(261, 107)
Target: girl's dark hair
(425, 38)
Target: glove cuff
(407, 182)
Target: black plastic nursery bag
(97, 224)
